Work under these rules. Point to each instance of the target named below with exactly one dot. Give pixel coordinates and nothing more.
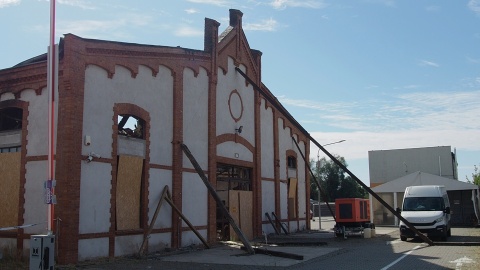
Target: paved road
(385, 251)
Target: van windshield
(423, 204)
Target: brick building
(123, 111)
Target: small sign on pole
(49, 197)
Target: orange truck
(352, 216)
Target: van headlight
(440, 219)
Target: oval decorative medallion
(235, 104)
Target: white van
(427, 208)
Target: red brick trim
(230, 137)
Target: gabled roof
(419, 179)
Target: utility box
(42, 252)
(352, 210)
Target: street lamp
(319, 197)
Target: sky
(379, 74)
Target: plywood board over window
(240, 205)
(292, 197)
(129, 182)
(9, 188)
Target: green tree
(335, 183)
(475, 176)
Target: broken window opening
(11, 119)
(131, 126)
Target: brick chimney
(235, 17)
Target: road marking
(401, 258)
(394, 242)
(460, 261)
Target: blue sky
(380, 74)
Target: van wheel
(403, 238)
(449, 232)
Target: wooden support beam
(150, 228)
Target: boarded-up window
(9, 188)
(129, 184)
(240, 204)
(292, 198)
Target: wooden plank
(292, 188)
(292, 198)
(9, 188)
(129, 178)
(152, 223)
(246, 214)
(234, 208)
(217, 199)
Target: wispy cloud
(283, 4)
(187, 31)
(6, 3)
(220, 3)
(191, 11)
(473, 60)
(414, 111)
(405, 121)
(265, 25)
(474, 5)
(428, 63)
(77, 3)
(432, 8)
(104, 29)
(388, 3)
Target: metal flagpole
(51, 86)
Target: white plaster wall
(92, 248)
(194, 200)
(225, 85)
(37, 136)
(268, 203)
(266, 139)
(153, 94)
(284, 143)
(158, 180)
(301, 190)
(268, 198)
(35, 207)
(292, 225)
(159, 241)
(131, 146)
(189, 238)
(95, 194)
(7, 96)
(229, 149)
(10, 138)
(126, 245)
(283, 200)
(195, 116)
